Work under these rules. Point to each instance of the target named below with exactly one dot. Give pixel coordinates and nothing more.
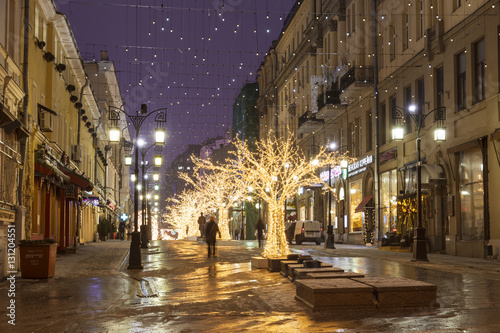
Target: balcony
(308, 123)
(357, 81)
(330, 105)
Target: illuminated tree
(183, 212)
(219, 191)
(274, 172)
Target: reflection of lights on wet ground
(154, 228)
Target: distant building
(245, 115)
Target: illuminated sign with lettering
(359, 165)
(335, 172)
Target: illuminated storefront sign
(359, 166)
(335, 172)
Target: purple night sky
(191, 56)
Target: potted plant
(38, 258)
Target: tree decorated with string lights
(183, 212)
(274, 171)
(219, 191)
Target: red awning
(78, 180)
(50, 170)
(363, 203)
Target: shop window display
(388, 202)
(355, 199)
(471, 194)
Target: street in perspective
(181, 290)
(249, 165)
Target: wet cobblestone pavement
(181, 290)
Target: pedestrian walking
(121, 230)
(211, 230)
(201, 223)
(260, 227)
(129, 231)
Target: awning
(50, 170)
(363, 203)
(78, 180)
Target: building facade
(112, 176)
(13, 128)
(50, 138)
(335, 76)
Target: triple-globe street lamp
(137, 121)
(419, 247)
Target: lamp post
(342, 150)
(137, 120)
(145, 227)
(330, 241)
(419, 246)
(146, 223)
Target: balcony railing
(356, 75)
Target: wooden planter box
(38, 261)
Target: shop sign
(388, 155)
(334, 173)
(359, 165)
(71, 192)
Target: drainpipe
(24, 141)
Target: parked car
(304, 231)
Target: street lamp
(342, 150)
(114, 135)
(158, 160)
(419, 247)
(160, 136)
(137, 120)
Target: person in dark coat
(260, 227)
(211, 230)
(201, 224)
(121, 230)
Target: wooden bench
(284, 266)
(395, 292)
(334, 294)
(301, 273)
(333, 275)
(273, 264)
(293, 267)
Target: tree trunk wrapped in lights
(274, 171)
(219, 191)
